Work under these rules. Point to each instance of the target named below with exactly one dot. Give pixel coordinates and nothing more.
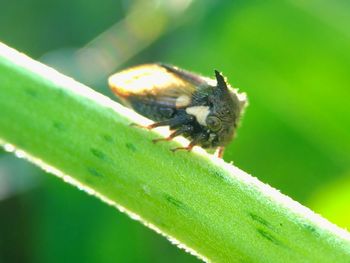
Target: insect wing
(157, 84)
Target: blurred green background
(291, 57)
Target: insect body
(204, 110)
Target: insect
(204, 110)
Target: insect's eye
(213, 123)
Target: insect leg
(183, 129)
(153, 125)
(196, 141)
(220, 152)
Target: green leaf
(198, 201)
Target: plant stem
(217, 210)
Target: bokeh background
(291, 57)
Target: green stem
(212, 207)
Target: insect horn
(221, 83)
